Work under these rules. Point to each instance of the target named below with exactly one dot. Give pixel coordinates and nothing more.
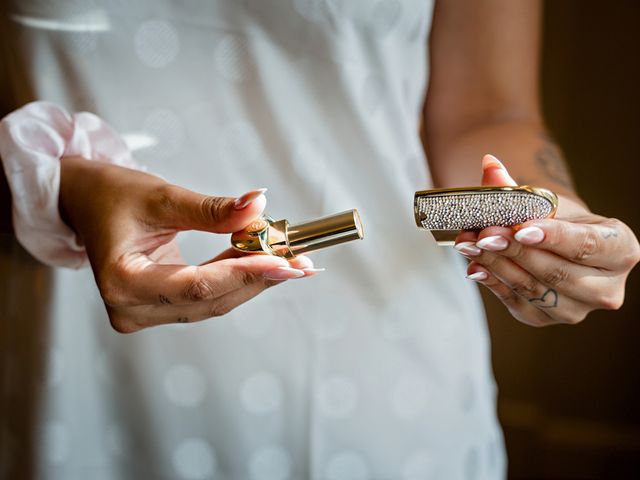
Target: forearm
(527, 151)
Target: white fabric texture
(33, 139)
(378, 368)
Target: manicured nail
(247, 198)
(313, 270)
(478, 276)
(529, 235)
(283, 273)
(494, 243)
(468, 248)
(489, 161)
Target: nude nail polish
(313, 270)
(494, 243)
(477, 276)
(247, 198)
(491, 161)
(529, 235)
(468, 248)
(283, 273)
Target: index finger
(140, 281)
(594, 245)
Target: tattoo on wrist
(183, 320)
(549, 299)
(164, 300)
(549, 158)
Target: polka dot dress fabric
(378, 369)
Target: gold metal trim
(280, 238)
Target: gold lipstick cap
(286, 240)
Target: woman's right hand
(128, 220)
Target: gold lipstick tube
(445, 212)
(268, 236)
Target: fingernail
(283, 273)
(494, 243)
(313, 270)
(468, 248)
(529, 235)
(478, 276)
(247, 198)
(489, 161)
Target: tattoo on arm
(550, 160)
(549, 299)
(183, 320)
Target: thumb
(494, 173)
(187, 210)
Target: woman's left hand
(554, 270)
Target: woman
(378, 368)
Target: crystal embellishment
(478, 210)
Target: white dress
(378, 368)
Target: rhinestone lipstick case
(445, 212)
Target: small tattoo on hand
(164, 300)
(610, 232)
(183, 320)
(549, 299)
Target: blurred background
(570, 396)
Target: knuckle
(635, 256)
(213, 208)
(110, 290)
(268, 283)
(197, 290)
(218, 309)
(555, 231)
(111, 295)
(588, 246)
(488, 259)
(164, 199)
(516, 251)
(539, 321)
(555, 276)
(526, 287)
(631, 258)
(121, 322)
(574, 318)
(112, 284)
(507, 296)
(610, 300)
(248, 278)
(567, 316)
(536, 318)
(616, 224)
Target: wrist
(71, 170)
(33, 141)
